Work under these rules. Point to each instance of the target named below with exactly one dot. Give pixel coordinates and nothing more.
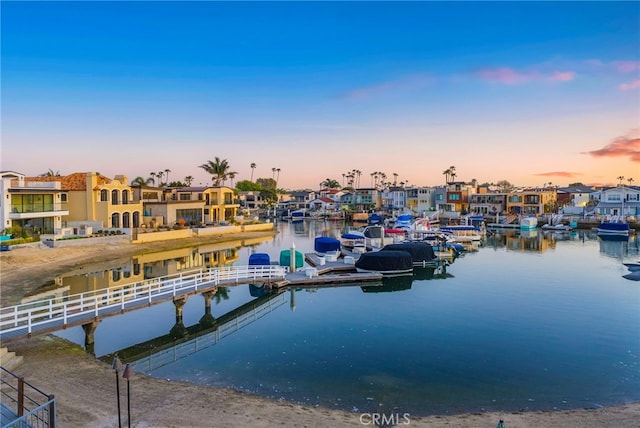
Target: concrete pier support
(179, 330)
(89, 336)
(208, 320)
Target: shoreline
(85, 389)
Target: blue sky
(528, 92)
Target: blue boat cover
(383, 261)
(259, 259)
(323, 244)
(419, 251)
(375, 219)
(352, 236)
(614, 227)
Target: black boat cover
(384, 261)
(420, 251)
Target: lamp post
(116, 365)
(128, 372)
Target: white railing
(39, 314)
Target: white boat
(561, 227)
(463, 233)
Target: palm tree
(51, 173)
(218, 168)
(167, 171)
(278, 176)
(188, 180)
(231, 176)
(395, 178)
(630, 180)
(139, 181)
(273, 173)
(343, 176)
(446, 174)
(153, 177)
(621, 178)
(253, 167)
(160, 174)
(330, 183)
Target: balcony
(38, 211)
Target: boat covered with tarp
(421, 252)
(259, 259)
(326, 244)
(386, 262)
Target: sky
(529, 92)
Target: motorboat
(463, 233)
(613, 228)
(388, 263)
(557, 227)
(421, 253)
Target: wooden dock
(326, 274)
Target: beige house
(188, 205)
(93, 198)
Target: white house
(619, 200)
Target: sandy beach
(85, 387)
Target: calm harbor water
(539, 321)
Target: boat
(387, 263)
(353, 242)
(463, 233)
(528, 223)
(421, 253)
(613, 228)
(373, 236)
(557, 227)
(285, 258)
(327, 247)
(374, 219)
(403, 221)
(259, 259)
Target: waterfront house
(195, 205)
(488, 203)
(574, 196)
(322, 205)
(393, 199)
(420, 199)
(297, 200)
(31, 205)
(457, 196)
(97, 201)
(532, 201)
(619, 200)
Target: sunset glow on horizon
(529, 92)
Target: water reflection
(148, 266)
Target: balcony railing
(39, 208)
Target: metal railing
(47, 313)
(29, 406)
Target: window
(185, 196)
(63, 197)
(614, 197)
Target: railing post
(52, 411)
(20, 396)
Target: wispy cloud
(626, 66)
(405, 83)
(510, 76)
(628, 145)
(565, 174)
(631, 85)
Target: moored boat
(613, 228)
(421, 253)
(386, 262)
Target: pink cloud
(505, 75)
(509, 76)
(405, 83)
(565, 174)
(627, 66)
(628, 145)
(631, 85)
(562, 76)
